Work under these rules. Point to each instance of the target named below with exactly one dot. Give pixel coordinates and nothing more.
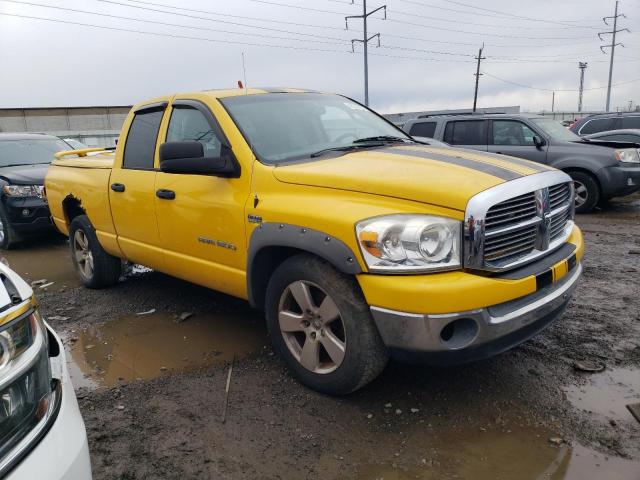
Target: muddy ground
(151, 386)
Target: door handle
(165, 194)
(117, 187)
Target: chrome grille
(504, 231)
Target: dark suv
(603, 122)
(24, 160)
(600, 170)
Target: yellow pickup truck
(356, 240)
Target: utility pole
(612, 46)
(365, 41)
(582, 66)
(553, 101)
(479, 58)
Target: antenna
(244, 74)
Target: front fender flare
(325, 246)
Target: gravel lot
(151, 387)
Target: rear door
(131, 189)
(467, 134)
(515, 138)
(202, 228)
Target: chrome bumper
(466, 336)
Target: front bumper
(620, 180)
(60, 450)
(28, 215)
(472, 335)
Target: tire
(8, 236)
(327, 314)
(587, 191)
(95, 267)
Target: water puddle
(147, 346)
(519, 453)
(607, 394)
(46, 261)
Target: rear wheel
(96, 268)
(587, 191)
(321, 325)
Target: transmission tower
(365, 41)
(612, 46)
(582, 66)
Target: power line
(554, 89)
(430, 27)
(284, 22)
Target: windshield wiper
(381, 138)
(346, 148)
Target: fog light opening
(459, 333)
(26, 212)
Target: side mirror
(539, 142)
(188, 158)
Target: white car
(42, 434)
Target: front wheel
(8, 237)
(96, 268)
(321, 325)
(587, 191)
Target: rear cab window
(140, 147)
(597, 125)
(631, 122)
(423, 129)
(466, 132)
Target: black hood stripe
(493, 170)
(538, 167)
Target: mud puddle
(147, 346)
(47, 261)
(607, 393)
(518, 453)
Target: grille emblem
(543, 211)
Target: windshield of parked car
(30, 151)
(282, 127)
(556, 130)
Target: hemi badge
(254, 219)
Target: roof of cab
(26, 136)
(255, 91)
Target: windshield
(283, 127)
(556, 130)
(30, 151)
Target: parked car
(628, 135)
(600, 171)
(604, 122)
(357, 241)
(431, 141)
(24, 160)
(75, 144)
(42, 434)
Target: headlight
(410, 243)
(23, 190)
(628, 155)
(25, 380)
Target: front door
(512, 137)
(202, 227)
(132, 192)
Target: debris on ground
(556, 440)
(57, 318)
(42, 281)
(45, 285)
(184, 316)
(148, 312)
(588, 366)
(634, 408)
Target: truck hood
(24, 174)
(447, 177)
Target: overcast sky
(536, 43)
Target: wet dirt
(138, 347)
(489, 419)
(46, 259)
(608, 393)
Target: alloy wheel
(312, 327)
(82, 254)
(581, 193)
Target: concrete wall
(94, 126)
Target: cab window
(510, 132)
(190, 124)
(597, 125)
(466, 132)
(423, 129)
(140, 146)
(631, 122)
